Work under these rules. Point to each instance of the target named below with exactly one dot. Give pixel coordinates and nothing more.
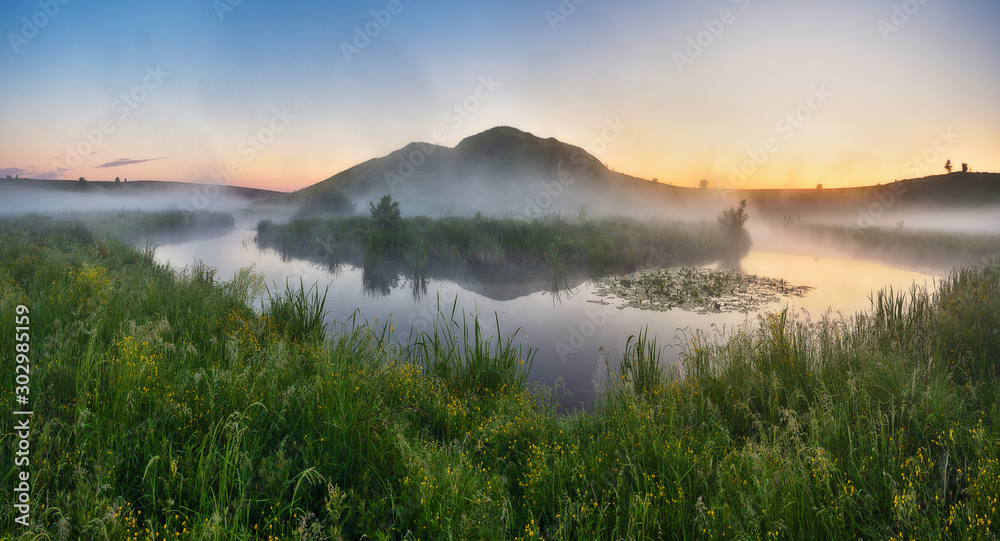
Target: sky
(281, 95)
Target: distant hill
(508, 171)
(936, 192)
(41, 195)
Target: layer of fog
(16, 200)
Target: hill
(501, 170)
(508, 171)
(46, 196)
(932, 194)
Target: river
(578, 335)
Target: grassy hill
(937, 192)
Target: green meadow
(166, 407)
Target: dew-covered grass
(165, 407)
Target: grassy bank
(555, 243)
(164, 407)
(137, 225)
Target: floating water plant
(697, 289)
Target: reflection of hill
(508, 283)
(495, 281)
(498, 255)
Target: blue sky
(776, 93)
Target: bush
(732, 219)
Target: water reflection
(381, 275)
(378, 280)
(418, 281)
(578, 336)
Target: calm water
(568, 329)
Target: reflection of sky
(567, 334)
(841, 284)
(223, 75)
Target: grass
(464, 360)
(165, 407)
(554, 243)
(137, 225)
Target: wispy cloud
(126, 161)
(11, 171)
(32, 172)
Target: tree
(947, 166)
(386, 215)
(732, 219)
(965, 168)
(703, 183)
(117, 180)
(82, 180)
(737, 238)
(819, 186)
(9, 177)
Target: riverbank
(164, 406)
(553, 244)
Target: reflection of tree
(378, 280)
(559, 284)
(731, 261)
(418, 283)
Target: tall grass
(166, 407)
(597, 245)
(462, 356)
(137, 225)
(297, 313)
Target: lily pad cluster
(697, 289)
